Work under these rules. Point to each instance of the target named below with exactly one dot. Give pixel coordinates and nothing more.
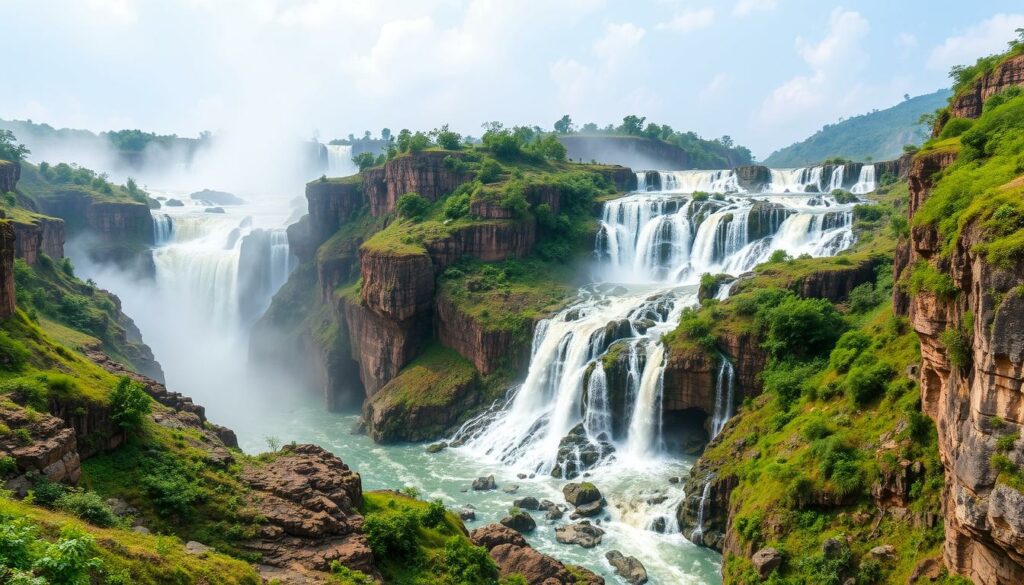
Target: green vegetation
(10, 149)
(41, 546)
(416, 543)
(701, 153)
(877, 135)
(982, 190)
(129, 405)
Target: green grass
(39, 188)
(429, 380)
(139, 558)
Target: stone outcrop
(753, 177)
(332, 203)
(491, 241)
(52, 450)
(310, 500)
(689, 381)
(974, 404)
(488, 349)
(396, 286)
(714, 508)
(424, 173)
(116, 232)
(10, 172)
(968, 104)
(7, 246)
(513, 555)
(43, 235)
(381, 345)
(389, 416)
(836, 284)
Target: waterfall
(865, 182)
(339, 160)
(836, 182)
(594, 389)
(802, 180)
(697, 536)
(725, 390)
(163, 227)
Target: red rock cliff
(973, 404)
(7, 244)
(41, 236)
(331, 204)
(10, 172)
(968, 104)
(424, 173)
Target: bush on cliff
(801, 327)
(412, 206)
(129, 405)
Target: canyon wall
(7, 244)
(10, 172)
(974, 404)
(968, 104)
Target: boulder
(766, 560)
(467, 513)
(579, 494)
(211, 197)
(886, 552)
(582, 533)
(588, 510)
(513, 555)
(629, 568)
(520, 521)
(482, 484)
(527, 503)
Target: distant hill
(879, 134)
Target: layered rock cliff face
(7, 245)
(969, 104)
(974, 394)
(10, 172)
(42, 235)
(424, 173)
(331, 203)
(487, 348)
(110, 221)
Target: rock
(174, 203)
(140, 529)
(659, 525)
(766, 560)
(886, 552)
(674, 480)
(210, 197)
(578, 494)
(832, 547)
(554, 513)
(927, 571)
(588, 510)
(437, 447)
(510, 489)
(198, 549)
(482, 484)
(527, 503)
(582, 533)
(214, 210)
(629, 568)
(512, 554)
(577, 453)
(467, 513)
(121, 507)
(520, 521)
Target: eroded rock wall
(968, 104)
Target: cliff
(39, 235)
(968, 103)
(7, 246)
(425, 173)
(965, 306)
(10, 172)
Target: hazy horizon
(277, 70)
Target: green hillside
(879, 135)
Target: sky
(766, 72)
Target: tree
(129, 404)
(404, 136)
(385, 134)
(10, 149)
(447, 139)
(564, 125)
(364, 160)
(419, 142)
(412, 205)
(632, 125)
(726, 141)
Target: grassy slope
(877, 135)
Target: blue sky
(766, 72)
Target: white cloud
(802, 103)
(688, 20)
(617, 42)
(115, 11)
(748, 7)
(716, 87)
(985, 38)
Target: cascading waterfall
(697, 535)
(339, 160)
(566, 416)
(865, 182)
(163, 227)
(836, 182)
(725, 395)
(802, 180)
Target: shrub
(958, 340)
(843, 196)
(46, 492)
(468, 564)
(448, 139)
(412, 206)
(955, 127)
(788, 380)
(364, 160)
(490, 171)
(456, 206)
(816, 429)
(392, 533)
(7, 465)
(865, 383)
(802, 327)
(847, 349)
(88, 506)
(433, 515)
(799, 492)
(872, 212)
(779, 256)
(418, 142)
(864, 297)
(926, 278)
(129, 404)
(13, 353)
(70, 560)
(350, 576)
